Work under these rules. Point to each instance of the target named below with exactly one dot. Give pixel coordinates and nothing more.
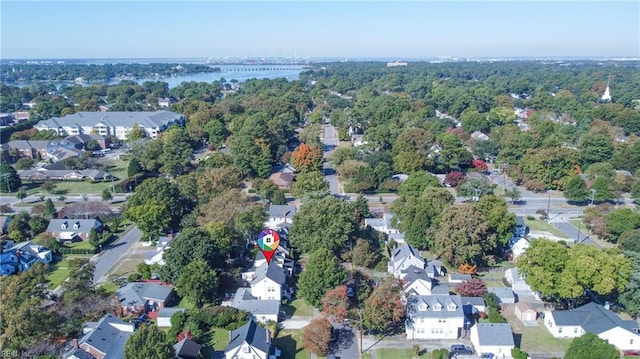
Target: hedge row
(77, 251)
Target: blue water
(228, 73)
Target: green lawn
(388, 353)
(59, 272)
(298, 307)
(543, 226)
(290, 342)
(186, 303)
(538, 339)
(109, 287)
(80, 245)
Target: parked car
(461, 349)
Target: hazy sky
(399, 29)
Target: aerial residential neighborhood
(371, 205)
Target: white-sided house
(269, 282)
(157, 256)
(416, 281)
(494, 338)
(19, 257)
(434, 317)
(515, 279)
(505, 295)
(250, 341)
(519, 247)
(165, 314)
(404, 257)
(594, 318)
(261, 310)
(117, 124)
(280, 215)
(69, 228)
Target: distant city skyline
(318, 29)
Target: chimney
(74, 343)
(268, 337)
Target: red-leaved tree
(335, 303)
(479, 165)
(472, 288)
(454, 178)
(316, 337)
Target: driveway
(112, 255)
(346, 345)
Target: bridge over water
(259, 68)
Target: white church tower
(607, 93)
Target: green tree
(190, 245)
(463, 236)
(501, 221)
(22, 194)
(590, 346)
(161, 192)
(321, 273)
(620, 221)
(134, 167)
(576, 189)
(177, 151)
(94, 238)
(106, 195)
(630, 296)
(416, 183)
(595, 148)
(9, 179)
(198, 283)
(148, 342)
(49, 209)
(49, 187)
(630, 240)
(79, 285)
(136, 133)
(306, 182)
(600, 190)
(153, 218)
(279, 197)
(326, 222)
(513, 194)
(475, 188)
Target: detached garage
(525, 312)
(165, 314)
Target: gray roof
(593, 318)
(252, 334)
(495, 334)
(459, 276)
(155, 119)
(281, 211)
(169, 312)
(55, 173)
(108, 337)
(413, 273)
(403, 251)
(271, 271)
(28, 144)
(476, 301)
(138, 293)
(79, 354)
(451, 306)
(243, 300)
(83, 225)
(186, 348)
(501, 292)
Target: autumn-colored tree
(454, 178)
(479, 165)
(472, 288)
(467, 268)
(384, 309)
(335, 303)
(306, 158)
(316, 337)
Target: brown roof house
(282, 180)
(142, 297)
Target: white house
(518, 284)
(434, 317)
(594, 318)
(261, 310)
(117, 124)
(505, 295)
(519, 247)
(251, 341)
(69, 228)
(269, 282)
(404, 257)
(157, 256)
(416, 281)
(494, 338)
(280, 215)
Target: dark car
(460, 349)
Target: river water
(239, 73)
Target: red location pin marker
(268, 241)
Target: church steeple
(607, 92)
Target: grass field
(538, 339)
(290, 342)
(298, 307)
(60, 270)
(127, 265)
(543, 226)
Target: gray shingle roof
(280, 211)
(404, 251)
(169, 312)
(271, 271)
(501, 292)
(155, 119)
(593, 318)
(495, 334)
(138, 293)
(450, 306)
(243, 300)
(252, 334)
(109, 336)
(83, 225)
(186, 349)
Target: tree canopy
(321, 273)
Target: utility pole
(579, 227)
(549, 207)
(593, 192)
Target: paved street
(330, 141)
(572, 233)
(111, 256)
